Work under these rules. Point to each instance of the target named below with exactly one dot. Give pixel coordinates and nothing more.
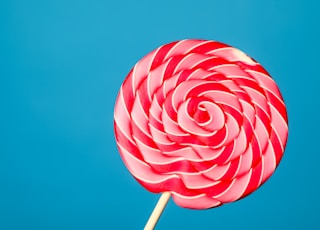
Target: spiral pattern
(202, 120)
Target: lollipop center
(201, 115)
(209, 115)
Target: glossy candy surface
(202, 120)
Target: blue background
(61, 65)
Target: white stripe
(181, 61)
(144, 179)
(226, 190)
(134, 119)
(155, 101)
(275, 109)
(173, 48)
(223, 65)
(197, 45)
(221, 49)
(245, 187)
(167, 161)
(124, 133)
(189, 197)
(272, 80)
(239, 165)
(203, 60)
(148, 87)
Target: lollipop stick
(157, 211)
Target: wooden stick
(157, 211)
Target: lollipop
(201, 120)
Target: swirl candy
(201, 120)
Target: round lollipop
(201, 120)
